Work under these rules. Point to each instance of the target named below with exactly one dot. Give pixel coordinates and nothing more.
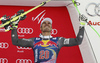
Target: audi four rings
(29, 48)
(25, 30)
(23, 61)
(4, 45)
(3, 60)
(96, 9)
(30, 31)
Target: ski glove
(83, 20)
(15, 23)
(21, 12)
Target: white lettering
(37, 38)
(37, 17)
(66, 41)
(36, 55)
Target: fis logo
(4, 45)
(26, 48)
(23, 61)
(45, 43)
(3, 60)
(39, 17)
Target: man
(46, 47)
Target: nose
(47, 24)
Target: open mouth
(47, 26)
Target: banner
(91, 9)
(30, 27)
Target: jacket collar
(45, 37)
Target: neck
(46, 33)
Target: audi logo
(96, 9)
(4, 45)
(54, 31)
(25, 30)
(23, 61)
(24, 48)
(3, 60)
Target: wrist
(14, 25)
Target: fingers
(13, 16)
(18, 19)
(83, 17)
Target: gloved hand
(83, 20)
(19, 13)
(15, 23)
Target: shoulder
(59, 38)
(37, 38)
(54, 38)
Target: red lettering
(94, 23)
(99, 23)
(41, 56)
(90, 22)
(44, 54)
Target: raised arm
(74, 41)
(20, 42)
(15, 40)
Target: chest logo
(45, 43)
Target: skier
(46, 47)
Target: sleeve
(72, 41)
(20, 42)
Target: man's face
(46, 26)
